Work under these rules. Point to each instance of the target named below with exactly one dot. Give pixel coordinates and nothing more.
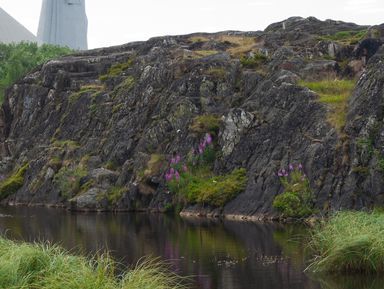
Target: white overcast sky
(120, 21)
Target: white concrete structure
(12, 31)
(63, 22)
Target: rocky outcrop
(95, 127)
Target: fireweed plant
(193, 181)
(297, 199)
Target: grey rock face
(63, 22)
(74, 115)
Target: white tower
(63, 22)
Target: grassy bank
(24, 265)
(349, 242)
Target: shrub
(13, 183)
(114, 194)
(18, 59)
(68, 180)
(253, 61)
(296, 200)
(349, 242)
(45, 266)
(334, 93)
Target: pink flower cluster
(174, 168)
(175, 164)
(283, 173)
(204, 143)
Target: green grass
(349, 242)
(13, 183)
(345, 37)
(334, 93)
(203, 188)
(44, 266)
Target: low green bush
(68, 179)
(296, 201)
(349, 242)
(200, 186)
(13, 183)
(44, 266)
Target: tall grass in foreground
(350, 242)
(334, 93)
(41, 266)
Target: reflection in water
(218, 254)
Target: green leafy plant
(297, 199)
(68, 180)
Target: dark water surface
(218, 254)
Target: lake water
(217, 254)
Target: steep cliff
(96, 130)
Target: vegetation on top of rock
(18, 59)
(297, 199)
(334, 93)
(68, 179)
(345, 37)
(116, 70)
(254, 60)
(85, 89)
(206, 123)
(195, 182)
(349, 242)
(14, 182)
(44, 266)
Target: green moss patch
(254, 61)
(13, 183)
(116, 70)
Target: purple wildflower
(300, 167)
(208, 138)
(171, 171)
(177, 175)
(279, 173)
(290, 167)
(168, 177)
(177, 159)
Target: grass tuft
(44, 266)
(334, 93)
(350, 242)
